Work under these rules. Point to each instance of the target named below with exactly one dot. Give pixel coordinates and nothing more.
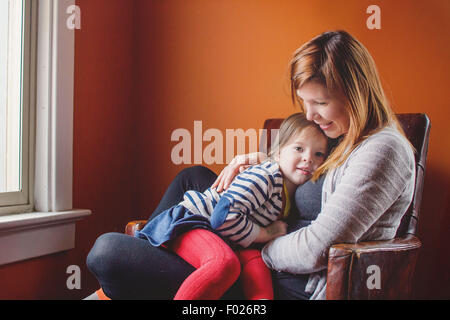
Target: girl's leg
(217, 265)
(256, 278)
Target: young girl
(204, 227)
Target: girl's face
(325, 108)
(302, 155)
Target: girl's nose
(307, 158)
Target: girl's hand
(274, 230)
(236, 166)
(277, 229)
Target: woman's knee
(101, 257)
(190, 173)
(197, 169)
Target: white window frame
(18, 177)
(50, 227)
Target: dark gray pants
(130, 268)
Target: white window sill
(29, 235)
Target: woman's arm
(237, 165)
(377, 175)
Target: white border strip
(54, 127)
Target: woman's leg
(124, 273)
(216, 263)
(197, 178)
(130, 268)
(256, 278)
(290, 286)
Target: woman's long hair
(340, 62)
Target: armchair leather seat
(349, 269)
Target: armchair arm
(372, 270)
(133, 226)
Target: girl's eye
(299, 149)
(320, 154)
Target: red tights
(218, 267)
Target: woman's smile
(325, 126)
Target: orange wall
(225, 63)
(145, 68)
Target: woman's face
(325, 108)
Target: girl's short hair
(289, 128)
(340, 62)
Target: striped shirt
(253, 200)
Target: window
(37, 82)
(16, 102)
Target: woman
(361, 192)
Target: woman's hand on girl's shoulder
(236, 166)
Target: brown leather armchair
(350, 266)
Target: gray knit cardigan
(363, 199)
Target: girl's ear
(276, 155)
